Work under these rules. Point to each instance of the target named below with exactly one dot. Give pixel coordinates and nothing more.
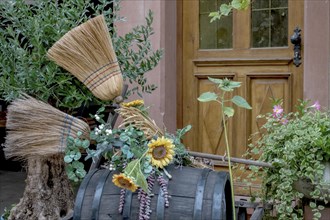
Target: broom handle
(113, 119)
(233, 159)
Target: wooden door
(252, 47)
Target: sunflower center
(159, 152)
(124, 182)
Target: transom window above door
(268, 24)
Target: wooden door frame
(179, 54)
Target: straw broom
(35, 128)
(87, 52)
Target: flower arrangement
(138, 150)
(297, 145)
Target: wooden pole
(233, 159)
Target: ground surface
(12, 186)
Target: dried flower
(125, 182)
(135, 103)
(161, 152)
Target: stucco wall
(163, 100)
(317, 51)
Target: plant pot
(305, 186)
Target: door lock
(296, 41)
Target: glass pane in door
(218, 34)
(269, 23)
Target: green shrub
(29, 30)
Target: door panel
(265, 70)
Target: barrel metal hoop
(81, 194)
(127, 205)
(219, 196)
(200, 194)
(98, 194)
(160, 209)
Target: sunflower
(135, 103)
(161, 152)
(123, 181)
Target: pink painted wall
(317, 51)
(162, 100)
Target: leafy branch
(226, 9)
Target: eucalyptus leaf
(77, 156)
(68, 159)
(78, 142)
(85, 144)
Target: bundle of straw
(86, 51)
(137, 118)
(35, 128)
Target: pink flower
(277, 111)
(316, 105)
(284, 121)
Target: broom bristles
(87, 52)
(134, 116)
(35, 128)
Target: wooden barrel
(194, 194)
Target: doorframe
(179, 54)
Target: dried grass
(87, 52)
(134, 116)
(35, 128)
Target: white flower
(97, 117)
(108, 131)
(101, 126)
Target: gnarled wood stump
(48, 193)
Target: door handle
(296, 41)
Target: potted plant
(297, 145)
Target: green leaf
(225, 9)
(234, 84)
(207, 97)
(215, 15)
(240, 4)
(133, 170)
(229, 111)
(312, 205)
(78, 142)
(214, 80)
(81, 173)
(77, 156)
(241, 102)
(85, 144)
(67, 159)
